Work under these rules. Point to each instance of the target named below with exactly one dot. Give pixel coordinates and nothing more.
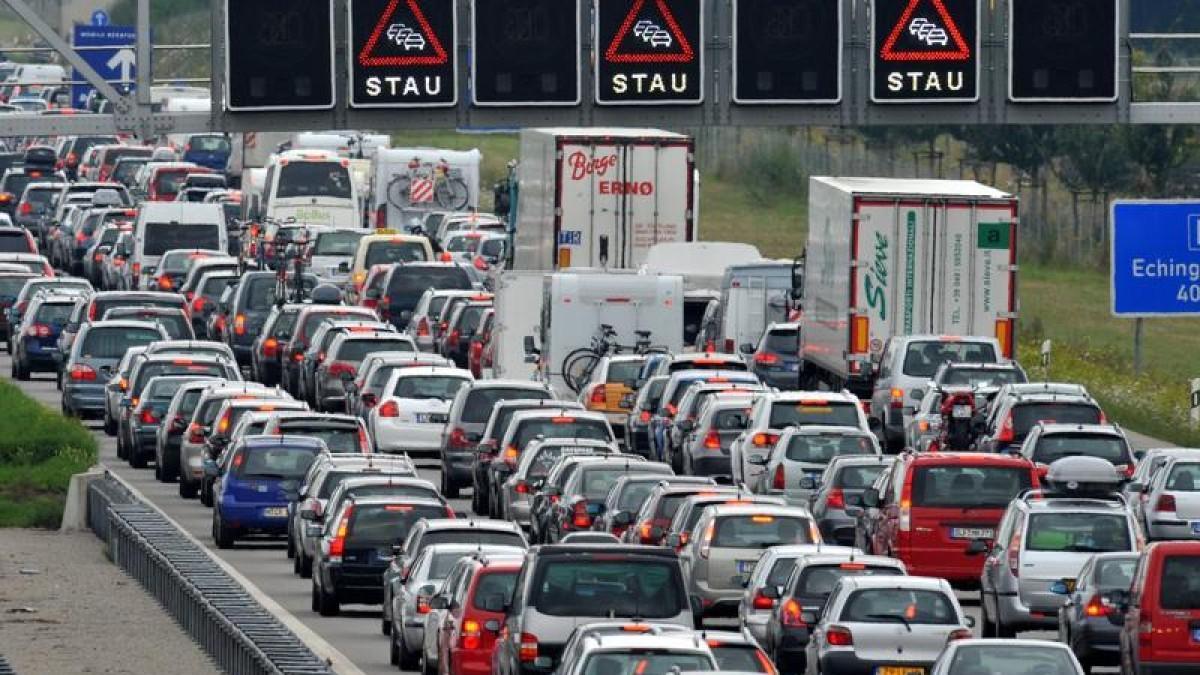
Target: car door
(868, 522)
(887, 531)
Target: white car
(660, 38)
(414, 407)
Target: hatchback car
(1161, 611)
(252, 486)
(414, 407)
(98, 349)
(342, 359)
(763, 588)
(804, 452)
(468, 630)
(485, 478)
(533, 466)
(653, 649)
(776, 358)
(984, 657)
(844, 480)
(35, 348)
(1048, 442)
(1170, 503)
(1087, 620)
(373, 374)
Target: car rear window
(782, 342)
(284, 323)
(620, 371)
(102, 304)
(1011, 659)
(858, 477)
(176, 324)
(357, 350)
(742, 658)
(549, 428)
(654, 394)
(313, 320)
(168, 182)
(164, 388)
(341, 242)
(11, 285)
(442, 387)
(731, 420)
(646, 661)
(151, 370)
(14, 242)
(407, 285)
(472, 536)
(491, 584)
(313, 179)
(343, 439)
(824, 413)
(213, 287)
(162, 237)
(386, 524)
(1025, 415)
(959, 486)
(596, 481)
(440, 565)
(1056, 446)
(923, 358)
(817, 581)
(54, 314)
(387, 252)
(1115, 574)
(982, 377)
(283, 462)
(900, 606)
(1080, 532)
(112, 343)
(819, 449)
(1185, 477)
(760, 531)
(480, 401)
(669, 504)
(612, 588)
(548, 456)
(187, 405)
(780, 571)
(393, 490)
(634, 495)
(1180, 583)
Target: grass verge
(39, 452)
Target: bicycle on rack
(289, 285)
(579, 365)
(439, 183)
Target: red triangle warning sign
(653, 37)
(926, 37)
(406, 40)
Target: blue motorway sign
(1155, 253)
(99, 18)
(116, 65)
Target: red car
(928, 508)
(1161, 632)
(467, 632)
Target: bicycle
(296, 253)
(449, 189)
(579, 364)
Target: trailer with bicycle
(409, 183)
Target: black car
(406, 282)
(246, 314)
(1089, 622)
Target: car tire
(169, 471)
(22, 370)
(58, 379)
(449, 487)
(110, 427)
(407, 661)
(296, 562)
(206, 497)
(187, 489)
(394, 649)
(158, 472)
(136, 459)
(476, 502)
(291, 545)
(223, 536)
(327, 603)
(385, 625)
(315, 602)
(425, 669)
(305, 564)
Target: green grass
(39, 452)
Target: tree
(1157, 151)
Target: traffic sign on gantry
(403, 53)
(925, 51)
(649, 52)
(278, 55)
(1063, 51)
(525, 52)
(787, 51)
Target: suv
(637, 422)
(632, 646)
(1045, 538)
(1048, 443)
(1012, 417)
(247, 310)
(929, 508)
(804, 452)
(563, 585)
(1161, 611)
(474, 605)
(485, 477)
(776, 359)
(93, 360)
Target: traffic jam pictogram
(402, 53)
(653, 52)
(925, 51)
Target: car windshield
(442, 387)
(820, 449)
(162, 237)
(959, 486)
(55, 314)
(388, 252)
(344, 439)
(648, 589)
(481, 400)
(899, 605)
(645, 661)
(785, 342)
(564, 427)
(341, 242)
(1011, 660)
(1027, 414)
(492, 584)
(313, 179)
(112, 343)
(760, 531)
(818, 581)
(283, 462)
(1115, 574)
(823, 413)
(357, 350)
(858, 477)
(923, 358)
(385, 524)
(982, 377)
(1081, 532)
(1053, 447)
(1180, 583)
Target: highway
(355, 633)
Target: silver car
(969, 657)
(844, 479)
(804, 452)
(705, 452)
(533, 465)
(1171, 501)
(118, 384)
(627, 647)
(872, 623)
(772, 570)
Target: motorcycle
(958, 412)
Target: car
(317, 350)
(648, 525)
(425, 325)
(16, 240)
(680, 436)
(332, 251)
(1085, 621)
(533, 466)
(1046, 537)
(199, 426)
(193, 348)
(804, 452)
(856, 631)
(407, 281)
(679, 532)
(115, 390)
(1149, 463)
(765, 585)
(413, 408)
(564, 585)
(31, 287)
(461, 327)
(308, 320)
(678, 384)
(10, 287)
(93, 260)
(174, 321)
(623, 502)
(231, 411)
(1169, 505)
(637, 423)
(776, 357)
(983, 657)
(607, 389)
(376, 369)
(465, 422)
(485, 477)
(720, 558)
(580, 500)
(342, 433)
(173, 266)
(842, 483)
(247, 310)
(357, 545)
(35, 348)
(1013, 416)
(738, 652)
(100, 303)
(1048, 442)
(250, 491)
(266, 358)
(929, 509)
(481, 353)
(1158, 613)
(342, 358)
(173, 423)
(621, 647)
(474, 605)
(451, 530)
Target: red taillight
(836, 499)
(766, 359)
(779, 479)
(522, 487)
(39, 330)
(1006, 434)
(198, 304)
(423, 327)
(340, 368)
(72, 159)
(458, 438)
(645, 417)
(959, 634)
(761, 601)
(1097, 607)
(80, 237)
(1126, 469)
(338, 545)
(452, 339)
(165, 283)
(712, 440)
(91, 311)
(839, 636)
(270, 348)
(389, 409)
(1014, 556)
(194, 433)
(423, 604)
(792, 614)
(26, 209)
(82, 373)
(480, 264)
(223, 423)
(529, 648)
(98, 257)
(599, 395)
(580, 517)
(471, 637)
(148, 417)
(764, 440)
(239, 324)
(1165, 503)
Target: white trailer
(889, 257)
(518, 303)
(393, 207)
(584, 190)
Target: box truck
(893, 257)
(600, 197)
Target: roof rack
(1068, 498)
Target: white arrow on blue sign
(99, 18)
(117, 65)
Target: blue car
(207, 150)
(35, 345)
(254, 479)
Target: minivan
(1161, 612)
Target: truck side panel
(536, 174)
(829, 277)
(518, 313)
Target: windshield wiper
(895, 617)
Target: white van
(314, 187)
(753, 296)
(39, 73)
(163, 226)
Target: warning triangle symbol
(649, 35)
(926, 35)
(403, 37)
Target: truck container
(893, 257)
(518, 303)
(397, 201)
(599, 197)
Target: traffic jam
(678, 455)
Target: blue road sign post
(1155, 255)
(99, 18)
(116, 63)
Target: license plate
(275, 512)
(1196, 635)
(627, 401)
(793, 367)
(746, 566)
(439, 418)
(962, 412)
(1196, 527)
(972, 533)
(899, 670)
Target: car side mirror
(746, 348)
(772, 592)
(970, 620)
(874, 424)
(870, 498)
(686, 426)
(977, 547)
(622, 518)
(1059, 587)
(757, 460)
(1135, 487)
(808, 483)
(310, 514)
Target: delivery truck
(600, 197)
(893, 257)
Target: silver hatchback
(1171, 501)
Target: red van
(930, 506)
(467, 632)
(1161, 634)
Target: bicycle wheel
(451, 193)
(398, 191)
(577, 366)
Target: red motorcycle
(958, 411)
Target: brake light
(897, 397)
(164, 282)
(359, 277)
(1126, 469)
(452, 339)
(579, 515)
(198, 304)
(510, 455)
(706, 540)
(239, 324)
(298, 355)
(599, 395)
(423, 604)
(470, 638)
(340, 368)
(1097, 607)
(779, 480)
(562, 420)
(792, 614)
(148, 417)
(764, 439)
(82, 373)
(389, 409)
(136, 269)
(712, 440)
(26, 209)
(338, 545)
(522, 487)
(223, 423)
(423, 327)
(766, 359)
(1014, 555)
(98, 257)
(1165, 503)
(905, 514)
(458, 438)
(959, 634)
(645, 417)
(529, 648)
(270, 348)
(194, 434)
(839, 636)
(40, 330)
(1006, 434)
(123, 384)
(836, 499)
(761, 601)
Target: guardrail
(6, 669)
(236, 631)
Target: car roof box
(1083, 476)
